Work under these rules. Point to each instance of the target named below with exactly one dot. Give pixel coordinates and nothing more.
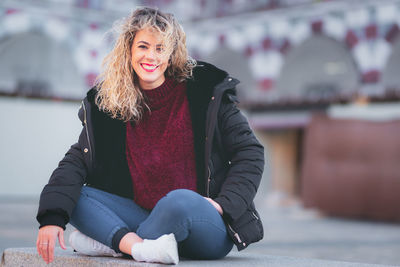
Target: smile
(149, 67)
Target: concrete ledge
(29, 257)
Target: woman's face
(148, 59)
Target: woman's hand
(46, 241)
(215, 204)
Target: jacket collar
(208, 77)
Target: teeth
(149, 67)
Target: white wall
(34, 136)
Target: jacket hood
(208, 74)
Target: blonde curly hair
(117, 84)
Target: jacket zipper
(209, 144)
(86, 128)
(208, 181)
(236, 235)
(255, 216)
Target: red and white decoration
(86, 43)
(262, 37)
(368, 31)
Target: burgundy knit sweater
(160, 148)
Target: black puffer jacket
(229, 159)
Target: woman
(165, 163)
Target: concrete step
(29, 257)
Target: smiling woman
(146, 178)
(162, 39)
(149, 61)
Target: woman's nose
(151, 54)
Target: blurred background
(320, 86)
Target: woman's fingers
(43, 251)
(215, 204)
(41, 245)
(47, 239)
(61, 239)
(50, 250)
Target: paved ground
(290, 231)
(28, 257)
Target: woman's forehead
(149, 35)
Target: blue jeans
(196, 224)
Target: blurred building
(295, 58)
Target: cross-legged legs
(116, 221)
(106, 217)
(196, 224)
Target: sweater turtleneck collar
(157, 96)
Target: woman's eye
(142, 46)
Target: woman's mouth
(148, 67)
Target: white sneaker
(88, 246)
(161, 250)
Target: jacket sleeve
(62, 192)
(247, 162)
